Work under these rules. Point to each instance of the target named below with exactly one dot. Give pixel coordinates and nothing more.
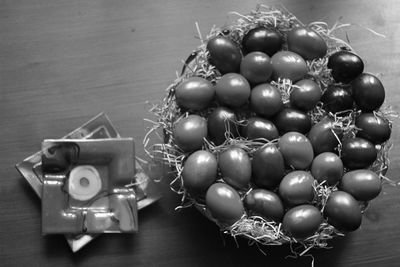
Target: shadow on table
(214, 248)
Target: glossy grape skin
(345, 66)
(302, 221)
(306, 42)
(368, 92)
(373, 127)
(297, 188)
(199, 172)
(288, 65)
(265, 100)
(256, 67)
(363, 185)
(296, 150)
(262, 39)
(235, 167)
(327, 167)
(337, 99)
(268, 166)
(225, 55)
(189, 132)
(322, 136)
(232, 90)
(224, 203)
(264, 203)
(305, 94)
(343, 211)
(258, 127)
(292, 120)
(194, 93)
(358, 153)
(221, 122)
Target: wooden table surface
(62, 62)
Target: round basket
(257, 228)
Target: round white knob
(84, 182)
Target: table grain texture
(62, 62)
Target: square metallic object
(84, 186)
(99, 127)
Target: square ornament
(84, 186)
